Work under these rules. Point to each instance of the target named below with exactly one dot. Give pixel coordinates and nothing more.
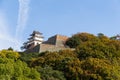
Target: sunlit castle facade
(35, 39)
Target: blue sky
(18, 18)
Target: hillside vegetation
(94, 58)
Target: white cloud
(8, 40)
(22, 17)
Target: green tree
(73, 41)
(10, 48)
(99, 69)
(28, 57)
(47, 73)
(9, 54)
(78, 38)
(11, 68)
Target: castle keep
(36, 44)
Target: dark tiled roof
(35, 32)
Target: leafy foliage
(49, 74)
(28, 57)
(93, 58)
(9, 54)
(99, 69)
(11, 68)
(77, 39)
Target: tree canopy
(94, 57)
(11, 68)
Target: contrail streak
(22, 17)
(22, 20)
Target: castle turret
(35, 39)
